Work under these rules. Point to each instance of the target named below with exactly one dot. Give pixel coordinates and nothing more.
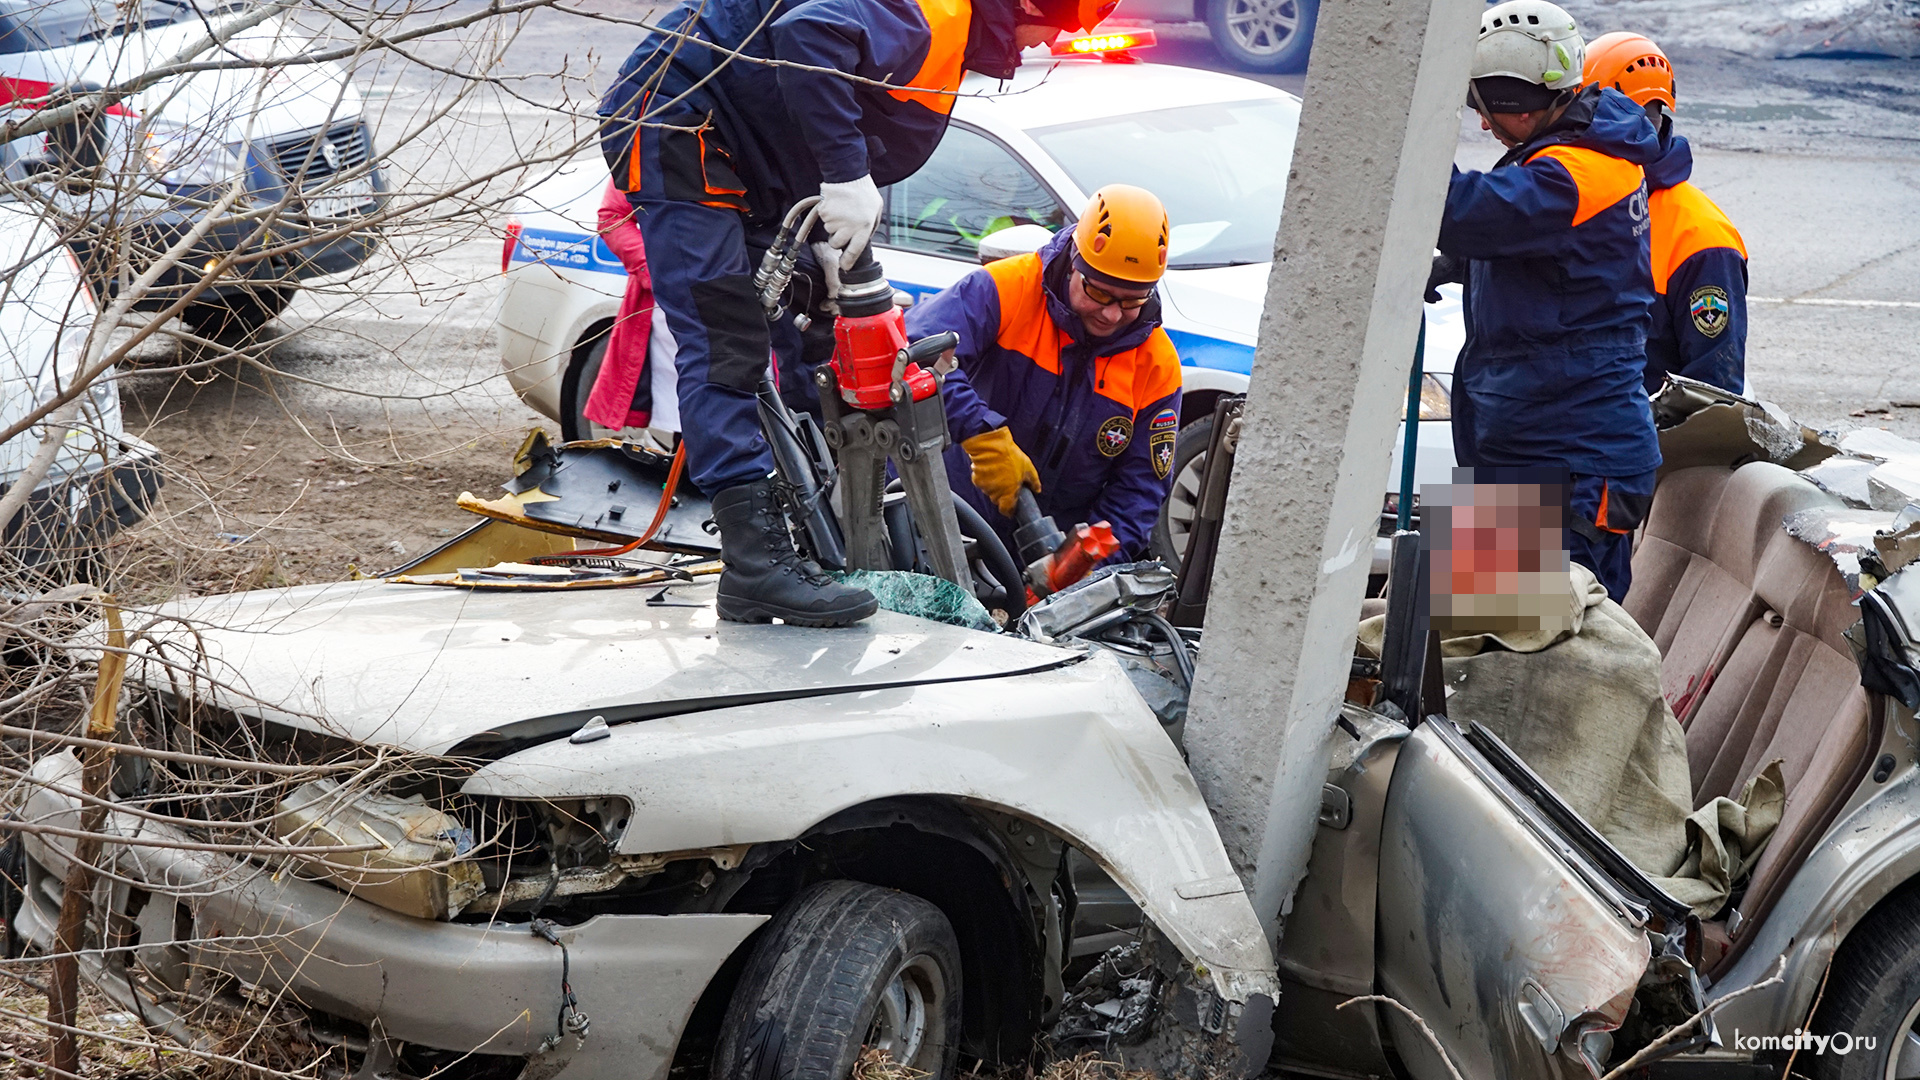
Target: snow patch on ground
(1764, 28)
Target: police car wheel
(1872, 1001)
(579, 386)
(1265, 36)
(1169, 541)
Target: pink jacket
(611, 402)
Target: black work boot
(765, 577)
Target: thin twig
(1417, 1022)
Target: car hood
(234, 105)
(438, 669)
(1228, 299)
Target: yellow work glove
(1000, 468)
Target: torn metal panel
(1701, 424)
(1899, 543)
(1113, 785)
(1847, 537)
(1487, 932)
(602, 490)
(1845, 477)
(485, 543)
(1894, 485)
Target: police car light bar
(1111, 46)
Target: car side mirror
(1013, 240)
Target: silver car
(615, 836)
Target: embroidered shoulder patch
(1160, 448)
(1114, 435)
(1164, 420)
(1710, 311)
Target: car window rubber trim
(1590, 855)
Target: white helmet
(1531, 40)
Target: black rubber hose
(1180, 658)
(991, 550)
(999, 561)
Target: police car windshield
(1221, 170)
(32, 25)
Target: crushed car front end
(425, 810)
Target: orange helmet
(1122, 236)
(1633, 65)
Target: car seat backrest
(1696, 562)
(1789, 691)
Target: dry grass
(875, 1064)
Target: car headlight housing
(181, 156)
(412, 858)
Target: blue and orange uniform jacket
(1700, 277)
(1097, 416)
(1558, 296)
(769, 135)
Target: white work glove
(828, 257)
(849, 212)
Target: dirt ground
(273, 479)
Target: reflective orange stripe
(1601, 179)
(1135, 378)
(1685, 223)
(939, 75)
(1025, 326)
(711, 190)
(1600, 517)
(633, 153)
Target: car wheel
(1170, 532)
(573, 421)
(844, 966)
(243, 313)
(1874, 993)
(1265, 36)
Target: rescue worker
(1066, 383)
(720, 121)
(1699, 261)
(1551, 244)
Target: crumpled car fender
(1073, 749)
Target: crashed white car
(508, 832)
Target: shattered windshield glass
(1221, 170)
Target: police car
(1021, 154)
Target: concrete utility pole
(1377, 134)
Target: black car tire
(1874, 992)
(1169, 539)
(845, 965)
(573, 420)
(1263, 36)
(242, 313)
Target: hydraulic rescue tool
(880, 404)
(1054, 560)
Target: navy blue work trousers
(691, 209)
(1605, 511)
